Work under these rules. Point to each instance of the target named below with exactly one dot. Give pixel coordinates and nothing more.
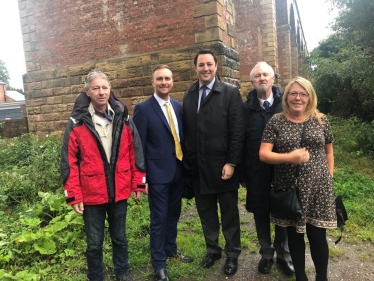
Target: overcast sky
(313, 13)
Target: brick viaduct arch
(126, 39)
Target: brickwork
(2, 92)
(266, 30)
(14, 128)
(65, 39)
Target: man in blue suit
(159, 122)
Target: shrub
(29, 164)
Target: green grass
(43, 239)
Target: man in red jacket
(101, 165)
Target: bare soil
(348, 262)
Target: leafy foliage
(29, 165)
(4, 74)
(41, 237)
(342, 67)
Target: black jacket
(214, 136)
(256, 174)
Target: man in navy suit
(159, 122)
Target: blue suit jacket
(157, 139)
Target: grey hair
(261, 63)
(94, 73)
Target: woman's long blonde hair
(311, 109)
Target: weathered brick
(127, 46)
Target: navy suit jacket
(157, 139)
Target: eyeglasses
(301, 95)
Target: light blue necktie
(266, 104)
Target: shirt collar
(210, 85)
(91, 109)
(270, 99)
(160, 101)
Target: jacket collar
(253, 103)
(83, 101)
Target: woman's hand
(299, 156)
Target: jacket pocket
(123, 177)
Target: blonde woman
(280, 145)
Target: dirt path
(349, 262)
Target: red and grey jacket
(87, 176)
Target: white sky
(313, 13)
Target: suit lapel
(159, 112)
(176, 107)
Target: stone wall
(271, 31)
(65, 39)
(14, 128)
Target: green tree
(343, 65)
(4, 75)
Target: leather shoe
(264, 266)
(182, 258)
(286, 267)
(162, 275)
(231, 266)
(210, 259)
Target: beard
(263, 88)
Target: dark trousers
(319, 251)
(280, 246)
(165, 201)
(207, 207)
(94, 221)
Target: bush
(353, 136)
(29, 165)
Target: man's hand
(227, 171)
(136, 195)
(78, 208)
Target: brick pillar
(294, 61)
(269, 33)
(219, 35)
(284, 47)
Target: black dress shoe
(231, 266)
(179, 256)
(210, 259)
(264, 266)
(286, 267)
(162, 275)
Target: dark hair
(204, 52)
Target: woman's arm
(330, 157)
(297, 156)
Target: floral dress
(315, 184)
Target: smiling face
(162, 82)
(99, 92)
(297, 99)
(205, 68)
